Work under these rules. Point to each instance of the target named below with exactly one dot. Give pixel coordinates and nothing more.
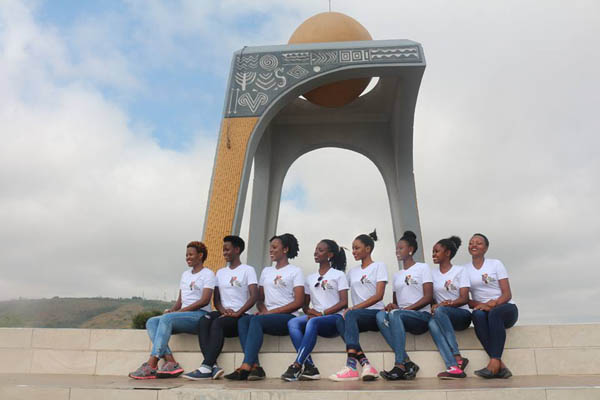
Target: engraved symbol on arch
(244, 79)
(246, 100)
(297, 72)
(268, 62)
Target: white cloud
(505, 143)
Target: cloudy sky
(109, 113)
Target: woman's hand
(483, 307)
(492, 303)
(345, 311)
(391, 306)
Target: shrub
(139, 320)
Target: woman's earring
(409, 253)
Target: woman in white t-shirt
(367, 286)
(493, 311)
(451, 311)
(327, 290)
(235, 293)
(280, 295)
(410, 309)
(195, 290)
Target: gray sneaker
(145, 371)
(169, 369)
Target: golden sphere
(332, 27)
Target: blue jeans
(161, 327)
(490, 327)
(252, 328)
(394, 325)
(442, 325)
(304, 331)
(356, 321)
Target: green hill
(95, 312)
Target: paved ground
(419, 384)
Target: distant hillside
(95, 312)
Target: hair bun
(409, 235)
(373, 235)
(456, 240)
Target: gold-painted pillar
(225, 186)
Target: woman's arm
(340, 305)
(252, 298)
(393, 305)
(260, 302)
(204, 300)
(177, 305)
(306, 307)
(217, 301)
(293, 306)
(425, 300)
(377, 297)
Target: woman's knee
(294, 323)
(479, 316)
(381, 317)
(440, 312)
(152, 322)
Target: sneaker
(169, 369)
(411, 370)
(257, 374)
(145, 371)
(504, 373)
(345, 374)
(238, 375)
(369, 373)
(395, 374)
(310, 373)
(197, 375)
(453, 372)
(484, 373)
(217, 372)
(463, 363)
(292, 374)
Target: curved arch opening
(332, 193)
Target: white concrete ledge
(530, 350)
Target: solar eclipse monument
(329, 60)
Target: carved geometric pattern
(259, 77)
(298, 58)
(297, 72)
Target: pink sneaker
(345, 374)
(369, 373)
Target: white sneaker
(369, 373)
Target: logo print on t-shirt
(487, 279)
(364, 280)
(409, 280)
(234, 282)
(325, 285)
(193, 285)
(449, 286)
(278, 281)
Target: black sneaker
(292, 374)
(238, 375)
(395, 374)
(463, 363)
(310, 373)
(411, 370)
(257, 374)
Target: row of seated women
(439, 301)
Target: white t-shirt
(233, 285)
(279, 285)
(192, 285)
(484, 281)
(408, 285)
(447, 286)
(363, 283)
(326, 294)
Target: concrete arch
(273, 128)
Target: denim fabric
(304, 331)
(490, 327)
(252, 328)
(161, 328)
(442, 325)
(354, 322)
(394, 325)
